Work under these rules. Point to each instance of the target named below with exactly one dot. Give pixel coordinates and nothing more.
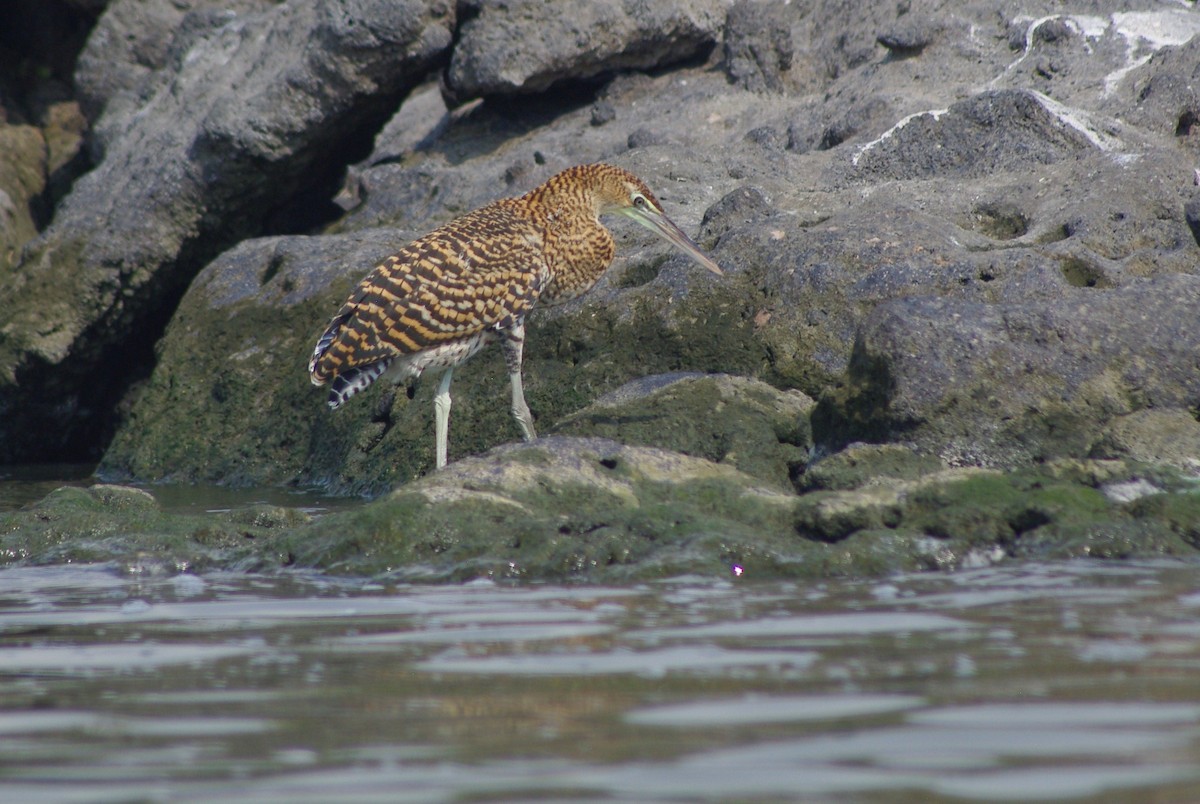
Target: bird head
(625, 194)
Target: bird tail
(326, 340)
(349, 383)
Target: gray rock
(835, 159)
(603, 112)
(526, 46)
(1164, 97)
(991, 131)
(1015, 384)
(1011, 197)
(759, 51)
(861, 117)
(909, 35)
(742, 207)
(997, 205)
(198, 169)
(135, 48)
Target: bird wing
(483, 270)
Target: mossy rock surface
(860, 464)
(738, 421)
(127, 527)
(594, 510)
(1066, 509)
(231, 402)
(591, 510)
(562, 509)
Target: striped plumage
(435, 302)
(442, 298)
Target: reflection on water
(1066, 681)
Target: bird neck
(565, 204)
(578, 248)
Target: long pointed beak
(662, 226)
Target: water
(1051, 682)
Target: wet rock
(1153, 436)
(591, 509)
(561, 509)
(1179, 512)
(736, 421)
(523, 46)
(567, 509)
(972, 517)
(127, 527)
(977, 199)
(574, 353)
(812, 244)
(570, 509)
(857, 465)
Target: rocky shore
(957, 324)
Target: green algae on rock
(1064, 509)
(127, 527)
(591, 510)
(738, 421)
(559, 509)
(229, 401)
(597, 511)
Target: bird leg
(520, 410)
(441, 415)
(514, 346)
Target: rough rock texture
(1011, 125)
(591, 509)
(969, 231)
(737, 421)
(234, 383)
(128, 527)
(558, 508)
(759, 51)
(122, 65)
(195, 170)
(22, 181)
(570, 509)
(1026, 382)
(41, 126)
(1009, 183)
(530, 45)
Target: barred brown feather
(442, 298)
(482, 270)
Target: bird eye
(639, 200)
